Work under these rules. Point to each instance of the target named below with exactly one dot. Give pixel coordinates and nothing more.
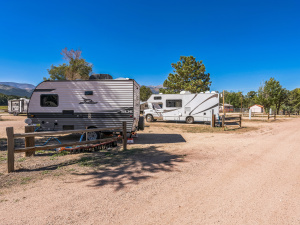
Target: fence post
(212, 118)
(223, 120)
(124, 136)
(213, 122)
(241, 121)
(29, 141)
(10, 149)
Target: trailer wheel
(189, 120)
(141, 124)
(149, 118)
(91, 136)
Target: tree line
(271, 95)
(188, 75)
(4, 98)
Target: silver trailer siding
(179, 107)
(85, 104)
(18, 106)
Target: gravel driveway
(250, 177)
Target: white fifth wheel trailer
(17, 106)
(81, 104)
(183, 107)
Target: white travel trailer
(81, 104)
(17, 106)
(183, 107)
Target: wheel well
(91, 127)
(189, 117)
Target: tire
(189, 120)
(16, 113)
(141, 125)
(92, 136)
(149, 118)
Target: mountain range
(155, 89)
(10, 90)
(19, 85)
(23, 89)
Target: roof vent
(185, 92)
(100, 77)
(122, 78)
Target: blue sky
(241, 43)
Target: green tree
(57, 72)
(4, 98)
(295, 96)
(145, 93)
(77, 67)
(249, 99)
(272, 94)
(233, 98)
(292, 102)
(189, 75)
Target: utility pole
(223, 102)
(241, 103)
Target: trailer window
(174, 103)
(88, 93)
(157, 97)
(49, 100)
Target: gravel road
(236, 178)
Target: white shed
(257, 108)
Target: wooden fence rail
(237, 119)
(30, 147)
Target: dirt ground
(173, 174)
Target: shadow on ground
(128, 167)
(105, 167)
(158, 138)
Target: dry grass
(202, 128)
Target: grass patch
(2, 158)
(22, 159)
(202, 129)
(54, 156)
(25, 180)
(45, 172)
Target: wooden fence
(228, 119)
(231, 119)
(30, 147)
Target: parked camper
(183, 107)
(17, 106)
(81, 104)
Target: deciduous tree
(77, 67)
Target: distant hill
(10, 90)
(19, 85)
(155, 89)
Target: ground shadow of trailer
(159, 139)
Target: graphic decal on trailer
(87, 101)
